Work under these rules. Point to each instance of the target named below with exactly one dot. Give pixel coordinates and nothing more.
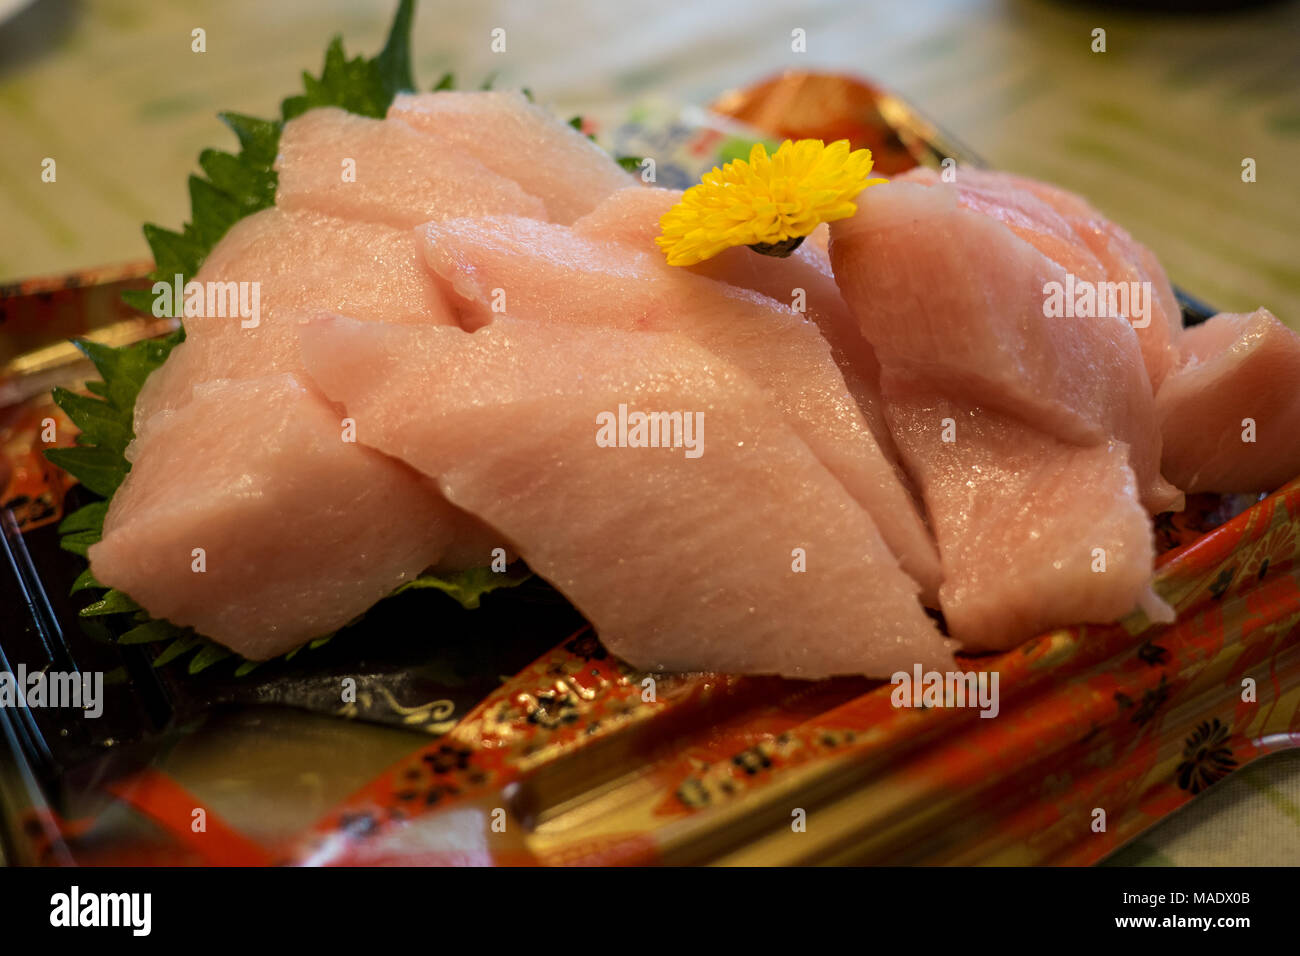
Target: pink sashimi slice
(953, 300)
(1124, 260)
(1000, 197)
(551, 273)
(680, 561)
(303, 263)
(802, 280)
(300, 530)
(354, 167)
(1068, 230)
(629, 215)
(520, 141)
(1230, 414)
(1034, 533)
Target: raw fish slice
(953, 299)
(809, 268)
(998, 196)
(632, 215)
(305, 263)
(1018, 515)
(1236, 367)
(398, 176)
(551, 273)
(521, 141)
(1125, 259)
(301, 531)
(681, 563)
(629, 215)
(1100, 243)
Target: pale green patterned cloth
(1250, 819)
(1154, 130)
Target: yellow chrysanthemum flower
(769, 203)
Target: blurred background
(1155, 130)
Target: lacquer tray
(507, 735)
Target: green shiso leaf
(100, 422)
(89, 518)
(259, 139)
(99, 469)
(79, 531)
(233, 185)
(179, 648)
(79, 542)
(124, 370)
(394, 60)
(208, 655)
(113, 602)
(99, 459)
(468, 587)
(85, 580)
(359, 85)
(353, 85)
(150, 632)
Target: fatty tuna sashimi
(803, 280)
(550, 273)
(629, 215)
(299, 531)
(303, 263)
(953, 300)
(683, 557)
(1033, 532)
(1230, 414)
(307, 261)
(1068, 230)
(354, 167)
(1124, 259)
(1000, 197)
(520, 141)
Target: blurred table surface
(1154, 130)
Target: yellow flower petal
(765, 200)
